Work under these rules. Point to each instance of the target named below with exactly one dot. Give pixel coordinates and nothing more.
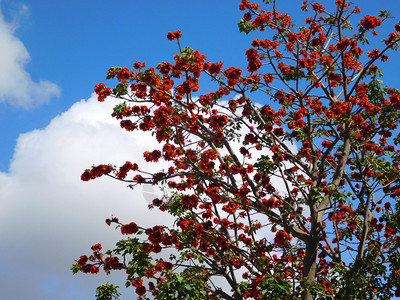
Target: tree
(307, 207)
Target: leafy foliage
(107, 292)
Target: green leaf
(246, 26)
(119, 109)
(107, 292)
(186, 52)
(120, 90)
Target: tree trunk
(310, 262)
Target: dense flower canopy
(295, 196)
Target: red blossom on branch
(174, 35)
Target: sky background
(52, 53)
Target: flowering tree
(306, 206)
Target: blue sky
(52, 53)
(73, 43)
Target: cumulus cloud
(49, 217)
(16, 84)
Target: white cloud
(16, 84)
(49, 217)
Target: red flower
(231, 207)
(326, 144)
(130, 228)
(96, 247)
(111, 260)
(93, 269)
(156, 248)
(318, 7)
(370, 22)
(99, 87)
(184, 224)
(112, 220)
(138, 65)
(83, 260)
(233, 75)
(199, 228)
(139, 178)
(189, 202)
(102, 92)
(252, 58)
(123, 75)
(214, 68)
(268, 78)
(147, 247)
(280, 237)
(152, 156)
(174, 35)
(141, 290)
(279, 131)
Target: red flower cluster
(96, 172)
(394, 98)
(189, 202)
(245, 4)
(233, 75)
(130, 228)
(124, 75)
(174, 35)
(281, 237)
(102, 92)
(83, 260)
(112, 220)
(268, 78)
(337, 109)
(90, 269)
(152, 156)
(96, 247)
(370, 22)
(125, 168)
(319, 8)
(253, 60)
